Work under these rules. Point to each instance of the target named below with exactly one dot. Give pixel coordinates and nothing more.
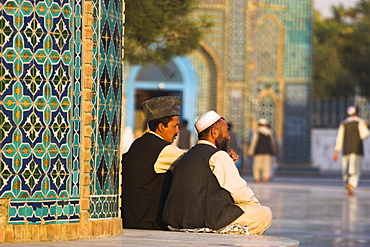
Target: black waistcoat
(263, 145)
(143, 190)
(196, 198)
(352, 142)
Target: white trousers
(262, 166)
(351, 168)
(257, 217)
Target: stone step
(135, 237)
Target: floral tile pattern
(40, 84)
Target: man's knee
(268, 217)
(263, 221)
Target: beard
(221, 143)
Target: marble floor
(312, 210)
(316, 211)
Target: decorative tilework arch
(158, 81)
(270, 74)
(201, 75)
(268, 104)
(267, 54)
(270, 40)
(236, 43)
(209, 74)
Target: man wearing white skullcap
(262, 148)
(351, 134)
(146, 166)
(207, 190)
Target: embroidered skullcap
(262, 121)
(206, 120)
(159, 107)
(351, 110)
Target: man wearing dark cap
(147, 165)
(207, 190)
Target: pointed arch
(269, 106)
(217, 78)
(270, 50)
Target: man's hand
(335, 156)
(233, 155)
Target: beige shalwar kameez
(257, 217)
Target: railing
(329, 113)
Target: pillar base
(99, 228)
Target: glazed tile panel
(295, 17)
(107, 104)
(40, 85)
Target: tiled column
(46, 120)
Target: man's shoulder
(350, 121)
(223, 153)
(153, 136)
(174, 149)
(203, 147)
(211, 150)
(149, 139)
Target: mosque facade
(255, 63)
(65, 96)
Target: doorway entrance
(176, 78)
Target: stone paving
(314, 211)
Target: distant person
(147, 165)
(140, 123)
(184, 138)
(276, 156)
(351, 134)
(207, 190)
(262, 148)
(127, 139)
(235, 144)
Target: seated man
(146, 166)
(207, 190)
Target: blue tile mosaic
(106, 108)
(39, 140)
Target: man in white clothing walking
(351, 134)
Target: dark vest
(352, 142)
(263, 145)
(196, 198)
(143, 190)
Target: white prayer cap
(351, 110)
(206, 120)
(262, 121)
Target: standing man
(262, 149)
(147, 165)
(351, 134)
(207, 190)
(184, 140)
